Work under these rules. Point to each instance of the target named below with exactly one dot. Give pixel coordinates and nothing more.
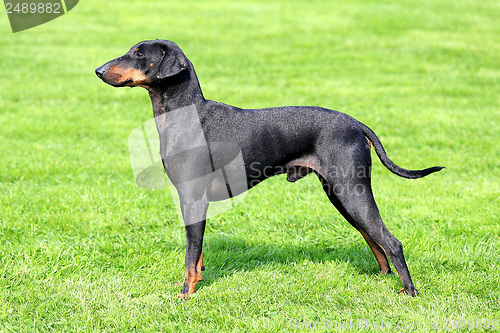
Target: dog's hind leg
(351, 194)
(382, 261)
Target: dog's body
(296, 140)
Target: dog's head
(146, 64)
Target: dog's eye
(139, 55)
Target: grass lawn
(83, 249)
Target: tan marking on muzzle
(128, 74)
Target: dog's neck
(176, 92)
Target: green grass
(83, 249)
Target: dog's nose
(100, 71)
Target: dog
(212, 151)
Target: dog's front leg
(194, 213)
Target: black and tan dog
(199, 137)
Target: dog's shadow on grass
(226, 256)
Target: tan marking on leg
(381, 258)
(199, 266)
(192, 276)
(310, 162)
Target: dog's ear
(172, 63)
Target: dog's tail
(386, 161)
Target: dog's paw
(413, 292)
(387, 272)
(183, 297)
